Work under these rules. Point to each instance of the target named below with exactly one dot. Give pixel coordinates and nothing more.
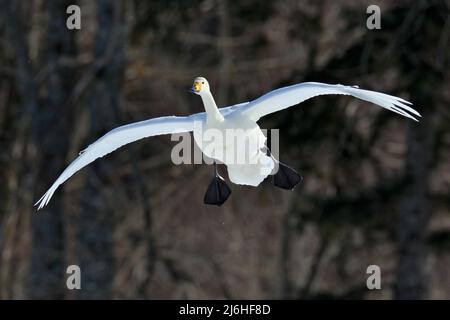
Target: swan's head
(200, 86)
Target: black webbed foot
(218, 191)
(286, 177)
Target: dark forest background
(376, 185)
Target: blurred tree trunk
(96, 230)
(224, 43)
(15, 227)
(412, 224)
(55, 126)
(411, 279)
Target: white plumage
(243, 116)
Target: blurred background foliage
(375, 190)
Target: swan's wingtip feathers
(392, 103)
(407, 108)
(45, 199)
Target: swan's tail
(251, 174)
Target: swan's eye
(203, 82)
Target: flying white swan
(242, 116)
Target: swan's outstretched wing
(288, 96)
(117, 138)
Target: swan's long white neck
(212, 112)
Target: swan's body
(242, 117)
(246, 161)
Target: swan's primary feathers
(248, 113)
(286, 97)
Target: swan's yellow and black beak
(196, 87)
